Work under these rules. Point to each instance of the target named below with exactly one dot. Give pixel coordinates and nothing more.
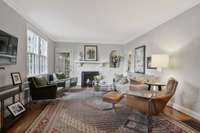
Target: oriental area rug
(83, 112)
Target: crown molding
(181, 10)
(30, 22)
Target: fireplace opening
(87, 78)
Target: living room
(101, 59)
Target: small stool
(113, 98)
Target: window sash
(37, 57)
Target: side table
(159, 85)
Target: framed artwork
(16, 78)
(129, 62)
(90, 53)
(149, 63)
(114, 59)
(139, 60)
(16, 108)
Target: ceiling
(98, 21)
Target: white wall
(14, 24)
(180, 38)
(103, 55)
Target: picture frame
(90, 53)
(149, 63)
(139, 59)
(129, 62)
(16, 109)
(16, 78)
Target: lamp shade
(160, 60)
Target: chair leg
(112, 108)
(149, 117)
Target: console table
(8, 95)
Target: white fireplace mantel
(101, 63)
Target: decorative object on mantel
(90, 53)
(81, 56)
(160, 61)
(16, 109)
(149, 66)
(114, 59)
(139, 61)
(16, 78)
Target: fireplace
(87, 78)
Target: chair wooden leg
(149, 117)
(112, 108)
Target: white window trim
(40, 37)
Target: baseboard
(185, 110)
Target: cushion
(112, 97)
(55, 77)
(59, 88)
(41, 81)
(60, 76)
(34, 82)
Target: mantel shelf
(102, 63)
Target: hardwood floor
(177, 115)
(23, 123)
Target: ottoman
(112, 97)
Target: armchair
(155, 104)
(42, 91)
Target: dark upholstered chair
(44, 91)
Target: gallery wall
(104, 51)
(12, 23)
(179, 38)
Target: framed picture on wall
(149, 63)
(16, 78)
(139, 60)
(129, 62)
(90, 53)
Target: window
(37, 54)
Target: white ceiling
(99, 21)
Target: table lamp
(160, 61)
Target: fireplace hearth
(87, 78)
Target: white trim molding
(185, 110)
(30, 22)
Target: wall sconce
(160, 61)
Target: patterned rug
(83, 115)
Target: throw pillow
(60, 76)
(34, 82)
(41, 81)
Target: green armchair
(42, 90)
